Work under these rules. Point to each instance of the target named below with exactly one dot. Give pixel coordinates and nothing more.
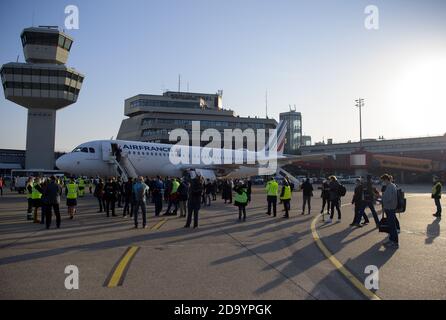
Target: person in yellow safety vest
(81, 184)
(29, 191)
(36, 197)
(436, 195)
(272, 189)
(285, 196)
(173, 198)
(72, 192)
(241, 199)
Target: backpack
(342, 190)
(401, 201)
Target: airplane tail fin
(278, 139)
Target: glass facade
(294, 131)
(42, 82)
(163, 103)
(42, 73)
(204, 123)
(46, 39)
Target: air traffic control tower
(43, 85)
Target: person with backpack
(436, 195)
(307, 193)
(335, 190)
(390, 204)
(140, 191)
(358, 201)
(285, 197)
(325, 195)
(241, 199)
(183, 192)
(194, 202)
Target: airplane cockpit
(84, 149)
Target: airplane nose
(61, 163)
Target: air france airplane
(98, 158)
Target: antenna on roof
(179, 82)
(266, 103)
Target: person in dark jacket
(99, 194)
(214, 190)
(128, 198)
(110, 195)
(51, 194)
(307, 192)
(208, 190)
(227, 191)
(335, 197)
(183, 195)
(436, 195)
(194, 202)
(249, 190)
(369, 198)
(325, 195)
(157, 194)
(358, 201)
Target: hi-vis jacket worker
(81, 184)
(36, 197)
(285, 196)
(175, 185)
(272, 189)
(72, 193)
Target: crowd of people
(188, 195)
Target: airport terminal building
(152, 117)
(409, 160)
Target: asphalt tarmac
(262, 258)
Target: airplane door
(106, 151)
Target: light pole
(359, 104)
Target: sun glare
(419, 97)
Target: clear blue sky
(314, 54)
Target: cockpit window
(84, 149)
(91, 150)
(76, 149)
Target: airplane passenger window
(91, 150)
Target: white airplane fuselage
(149, 159)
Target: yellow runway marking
(159, 224)
(339, 266)
(119, 271)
